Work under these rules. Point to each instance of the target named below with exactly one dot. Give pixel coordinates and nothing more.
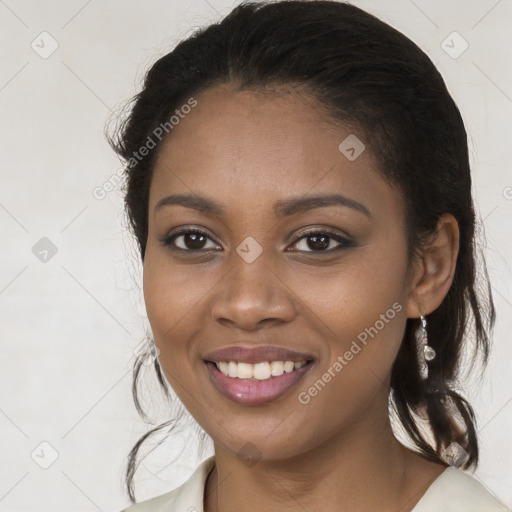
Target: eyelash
(344, 242)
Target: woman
(299, 187)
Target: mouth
(256, 383)
(259, 371)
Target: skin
(246, 150)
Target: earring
(425, 352)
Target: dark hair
(369, 75)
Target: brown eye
(194, 241)
(321, 241)
(318, 242)
(189, 240)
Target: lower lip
(255, 392)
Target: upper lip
(244, 354)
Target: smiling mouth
(264, 370)
(253, 384)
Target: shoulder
(457, 491)
(188, 496)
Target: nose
(252, 296)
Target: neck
(364, 468)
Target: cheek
(360, 314)
(172, 293)
(353, 295)
(173, 298)
(359, 309)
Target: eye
(189, 240)
(321, 241)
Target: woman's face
(274, 268)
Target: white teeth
(232, 369)
(245, 370)
(276, 368)
(289, 366)
(260, 371)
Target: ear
(433, 271)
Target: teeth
(245, 370)
(232, 369)
(276, 368)
(260, 371)
(289, 366)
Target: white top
(452, 491)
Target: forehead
(246, 145)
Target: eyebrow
(282, 208)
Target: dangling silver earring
(425, 352)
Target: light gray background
(69, 325)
